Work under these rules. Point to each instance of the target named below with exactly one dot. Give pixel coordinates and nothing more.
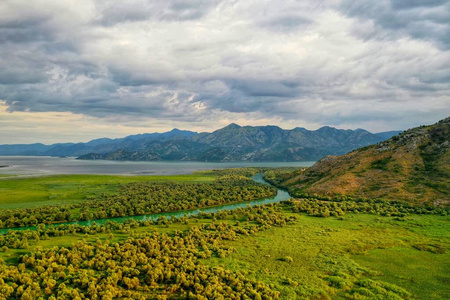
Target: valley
(231, 233)
(285, 250)
(224, 150)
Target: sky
(73, 71)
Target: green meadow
(329, 258)
(356, 256)
(360, 257)
(69, 189)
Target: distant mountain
(23, 149)
(231, 143)
(102, 145)
(388, 134)
(412, 166)
(247, 143)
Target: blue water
(44, 165)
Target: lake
(45, 165)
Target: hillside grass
(327, 257)
(70, 189)
(413, 167)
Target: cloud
(201, 64)
(422, 20)
(111, 13)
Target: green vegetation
(278, 175)
(425, 276)
(151, 265)
(233, 171)
(315, 258)
(381, 164)
(268, 252)
(301, 249)
(70, 189)
(141, 198)
(318, 208)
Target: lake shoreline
(42, 166)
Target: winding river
(280, 196)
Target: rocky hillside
(412, 166)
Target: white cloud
(200, 65)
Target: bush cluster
(151, 265)
(143, 198)
(323, 208)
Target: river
(280, 196)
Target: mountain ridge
(230, 143)
(248, 143)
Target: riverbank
(280, 195)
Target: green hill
(413, 166)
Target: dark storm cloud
(409, 4)
(261, 88)
(425, 20)
(17, 31)
(327, 63)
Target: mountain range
(413, 166)
(231, 143)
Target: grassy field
(424, 274)
(327, 257)
(323, 258)
(69, 189)
(359, 256)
